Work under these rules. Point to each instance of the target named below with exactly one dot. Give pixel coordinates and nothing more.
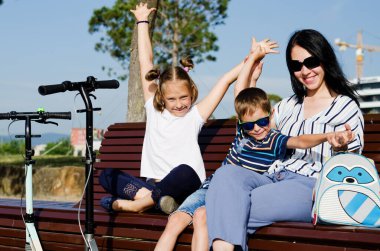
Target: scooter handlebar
(35, 115)
(91, 84)
(5, 115)
(51, 89)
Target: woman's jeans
(239, 201)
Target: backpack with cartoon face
(347, 192)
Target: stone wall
(49, 183)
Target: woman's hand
(142, 12)
(339, 140)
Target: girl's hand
(142, 12)
(339, 140)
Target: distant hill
(45, 138)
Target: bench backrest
(122, 145)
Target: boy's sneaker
(167, 204)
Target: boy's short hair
(250, 99)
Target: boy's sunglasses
(248, 126)
(310, 63)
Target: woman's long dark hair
(317, 45)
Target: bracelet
(139, 22)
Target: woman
(323, 102)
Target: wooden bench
(121, 148)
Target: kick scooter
(32, 240)
(85, 88)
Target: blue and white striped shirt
(290, 121)
(254, 155)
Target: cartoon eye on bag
(357, 175)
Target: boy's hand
(257, 69)
(340, 140)
(267, 45)
(142, 12)
(260, 49)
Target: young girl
(171, 158)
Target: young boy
(256, 147)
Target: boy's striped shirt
(258, 156)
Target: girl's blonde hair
(172, 74)
(251, 99)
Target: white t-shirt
(290, 121)
(171, 141)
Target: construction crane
(360, 48)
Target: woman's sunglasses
(248, 126)
(310, 63)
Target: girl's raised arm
(207, 105)
(144, 48)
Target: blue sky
(47, 42)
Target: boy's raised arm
(207, 106)
(253, 66)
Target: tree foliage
(274, 98)
(12, 147)
(61, 147)
(182, 28)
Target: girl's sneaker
(106, 203)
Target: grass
(49, 160)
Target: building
(78, 140)
(39, 149)
(369, 90)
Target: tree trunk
(135, 110)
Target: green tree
(182, 28)
(274, 98)
(12, 147)
(62, 147)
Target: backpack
(347, 192)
